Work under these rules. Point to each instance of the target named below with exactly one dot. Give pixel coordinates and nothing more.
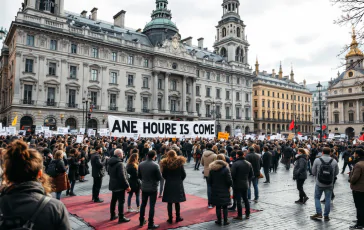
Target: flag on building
(291, 126)
(15, 121)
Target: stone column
(357, 111)
(194, 97)
(342, 112)
(104, 99)
(166, 86)
(329, 116)
(155, 92)
(184, 94)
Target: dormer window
(47, 5)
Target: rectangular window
(255, 103)
(94, 74)
(30, 40)
(114, 56)
(336, 105)
(336, 118)
(208, 75)
(208, 113)
(351, 117)
(208, 92)
(28, 94)
(218, 93)
(263, 115)
(145, 82)
(52, 69)
(53, 45)
(112, 101)
(268, 93)
(247, 83)
(227, 95)
(174, 85)
(145, 103)
(255, 93)
(198, 109)
(73, 72)
(351, 104)
(173, 105)
(237, 111)
(29, 65)
(218, 113)
(51, 96)
(188, 88)
(263, 104)
(272, 94)
(94, 98)
(197, 90)
(227, 79)
(218, 77)
(278, 105)
(159, 83)
(95, 52)
(130, 80)
(130, 60)
(146, 63)
(247, 99)
(268, 104)
(283, 105)
(263, 92)
(237, 96)
(198, 73)
(130, 103)
(73, 48)
(238, 80)
(227, 111)
(72, 98)
(159, 104)
(114, 78)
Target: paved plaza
(276, 202)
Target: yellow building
(277, 100)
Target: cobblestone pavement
(276, 202)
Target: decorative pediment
(73, 84)
(146, 93)
(95, 87)
(51, 82)
(95, 66)
(238, 104)
(218, 103)
(130, 91)
(160, 94)
(228, 103)
(28, 79)
(198, 100)
(113, 89)
(208, 101)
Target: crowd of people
(34, 167)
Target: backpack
(18, 223)
(326, 172)
(52, 169)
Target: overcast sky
(291, 31)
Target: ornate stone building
(58, 60)
(346, 95)
(278, 100)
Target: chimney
(138, 30)
(200, 43)
(188, 41)
(264, 73)
(119, 19)
(84, 14)
(273, 73)
(94, 14)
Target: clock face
(174, 65)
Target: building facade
(346, 95)
(277, 100)
(60, 62)
(316, 105)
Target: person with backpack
(25, 202)
(325, 169)
(57, 170)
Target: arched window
(238, 32)
(350, 90)
(71, 122)
(237, 54)
(224, 32)
(26, 122)
(223, 52)
(51, 122)
(92, 124)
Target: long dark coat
(60, 182)
(174, 174)
(220, 180)
(73, 172)
(83, 169)
(134, 181)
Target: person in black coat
(220, 180)
(98, 172)
(174, 173)
(83, 168)
(118, 184)
(300, 174)
(287, 156)
(254, 159)
(134, 182)
(74, 161)
(267, 161)
(347, 155)
(241, 173)
(313, 154)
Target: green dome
(161, 23)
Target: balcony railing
(208, 115)
(176, 112)
(247, 118)
(228, 117)
(28, 102)
(130, 109)
(145, 110)
(51, 103)
(72, 105)
(113, 108)
(238, 117)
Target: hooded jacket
(220, 180)
(22, 200)
(207, 158)
(150, 174)
(300, 167)
(118, 176)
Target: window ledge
(74, 79)
(31, 73)
(91, 81)
(145, 88)
(115, 84)
(48, 75)
(130, 86)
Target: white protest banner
(47, 133)
(331, 135)
(45, 128)
(279, 136)
(91, 132)
(134, 127)
(3, 133)
(1, 126)
(82, 130)
(273, 137)
(38, 129)
(79, 139)
(22, 132)
(104, 132)
(62, 130)
(11, 130)
(261, 137)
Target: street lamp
(319, 88)
(3, 33)
(86, 101)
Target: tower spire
(292, 74)
(257, 67)
(354, 50)
(280, 76)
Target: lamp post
(86, 101)
(3, 33)
(319, 88)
